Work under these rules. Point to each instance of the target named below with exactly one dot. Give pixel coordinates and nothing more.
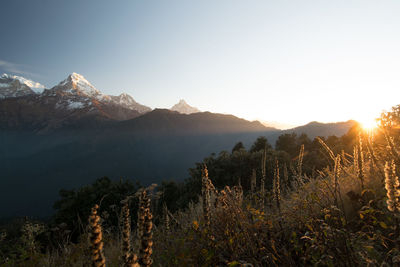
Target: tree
(287, 142)
(390, 119)
(74, 206)
(260, 144)
(238, 146)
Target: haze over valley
(71, 134)
(199, 133)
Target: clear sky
(286, 61)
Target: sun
(368, 124)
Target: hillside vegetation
(323, 202)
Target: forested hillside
(327, 201)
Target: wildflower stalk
(392, 187)
(392, 147)
(277, 186)
(95, 239)
(264, 175)
(374, 159)
(326, 147)
(146, 240)
(206, 194)
(336, 174)
(360, 160)
(355, 159)
(285, 180)
(300, 161)
(128, 257)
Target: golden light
(368, 124)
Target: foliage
(335, 208)
(74, 206)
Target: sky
(286, 61)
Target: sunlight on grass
(368, 124)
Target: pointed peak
(185, 108)
(76, 77)
(76, 82)
(125, 95)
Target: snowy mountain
(76, 84)
(16, 86)
(184, 108)
(73, 102)
(76, 92)
(127, 101)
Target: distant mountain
(73, 102)
(16, 86)
(184, 108)
(164, 121)
(79, 93)
(126, 101)
(314, 129)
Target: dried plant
(222, 198)
(391, 146)
(355, 160)
(277, 186)
(326, 147)
(263, 175)
(128, 257)
(336, 175)
(285, 180)
(392, 187)
(207, 188)
(360, 161)
(300, 161)
(95, 239)
(375, 162)
(146, 239)
(237, 192)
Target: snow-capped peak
(77, 82)
(185, 108)
(34, 86)
(127, 101)
(77, 78)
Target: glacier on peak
(8, 79)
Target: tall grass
(344, 215)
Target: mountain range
(71, 134)
(27, 104)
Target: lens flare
(368, 124)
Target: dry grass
(343, 216)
